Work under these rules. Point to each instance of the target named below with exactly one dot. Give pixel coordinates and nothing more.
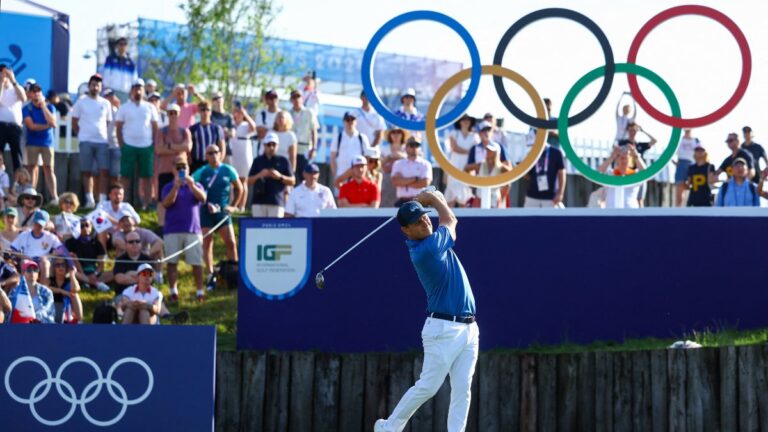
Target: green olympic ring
(602, 178)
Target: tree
(222, 47)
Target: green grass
(220, 310)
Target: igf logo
(272, 252)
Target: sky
(695, 55)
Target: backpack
(105, 313)
(359, 137)
(752, 190)
(229, 272)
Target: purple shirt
(184, 215)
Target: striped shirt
(202, 137)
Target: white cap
(359, 160)
(271, 137)
(173, 107)
(152, 82)
(123, 213)
(409, 92)
(137, 82)
(484, 125)
(145, 266)
(373, 153)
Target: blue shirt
(738, 196)
(42, 138)
(441, 274)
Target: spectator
(738, 191)
(641, 147)
(91, 117)
(477, 152)
(756, 150)
(265, 118)
(12, 97)
(150, 87)
(88, 257)
(310, 196)
(114, 207)
(62, 222)
(10, 230)
(412, 174)
(172, 141)
(62, 109)
(119, 70)
(684, 161)
(154, 99)
(491, 166)
(242, 149)
(40, 127)
(623, 117)
(546, 180)
(38, 243)
(288, 141)
(370, 123)
(151, 243)
(348, 144)
(204, 134)
(456, 192)
(311, 94)
(498, 133)
(114, 147)
(736, 152)
(9, 277)
(269, 175)
(124, 273)
(219, 116)
(65, 289)
(626, 157)
(305, 126)
(5, 306)
(701, 175)
(396, 138)
(408, 110)
(187, 110)
(219, 181)
(553, 137)
(42, 296)
(136, 127)
(21, 182)
(373, 173)
(29, 202)
(142, 302)
(182, 200)
(5, 186)
(359, 191)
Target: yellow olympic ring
(484, 181)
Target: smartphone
(182, 173)
(499, 122)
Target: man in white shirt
(90, 118)
(348, 144)
(265, 117)
(305, 127)
(12, 97)
(369, 122)
(116, 208)
(136, 126)
(412, 174)
(37, 243)
(310, 197)
(142, 302)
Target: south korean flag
(73, 222)
(99, 220)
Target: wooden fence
(710, 389)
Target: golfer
(450, 334)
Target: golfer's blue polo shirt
(441, 274)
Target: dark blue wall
(535, 279)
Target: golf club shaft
(359, 242)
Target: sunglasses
(181, 167)
(10, 216)
(133, 241)
(270, 145)
(147, 273)
(172, 113)
(32, 270)
(204, 109)
(212, 152)
(68, 202)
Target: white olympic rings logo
(89, 393)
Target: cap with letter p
(410, 212)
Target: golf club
(320, 279)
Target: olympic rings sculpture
(89, 393)
(432, 122)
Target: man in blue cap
(450, 335)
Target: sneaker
(53, 203)
(89, 204)
(210, 285)
(379, 425)
(102, 287)
(173, 298)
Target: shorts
(681, 173)
(208, 220)
(91, 152)
(131, 156)
(114, 161)
(177, 241)
(33, 152)
(267, 210)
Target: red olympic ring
(746, 66)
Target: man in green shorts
(217, 179)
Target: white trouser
(449, 349)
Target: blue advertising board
(535, 279)
(25, 46)
(102, 377)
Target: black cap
(410, 212)
(746, 129)
(350, 115)
(311, 169)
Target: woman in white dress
(242, 149)
(460, 142)
(288, 141)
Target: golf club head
(320, 280)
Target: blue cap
(410, 212)
(312, 168)
(41, 217)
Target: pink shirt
(187, 115)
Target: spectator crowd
(198, 159)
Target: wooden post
(228, 373)
(546, 387)
(748, 407)
(488, 377)
(376, 386)
(567, 392)
(676, 368)
(509, 392)
(622, 392)
(729, 393)
(351, 406)
(641, 390)
(326, 393)
(604, 392)
(302, 380)
(277, 390)
(253, 381)
(528, 396)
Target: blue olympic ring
(367, 69)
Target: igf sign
(275, 256)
